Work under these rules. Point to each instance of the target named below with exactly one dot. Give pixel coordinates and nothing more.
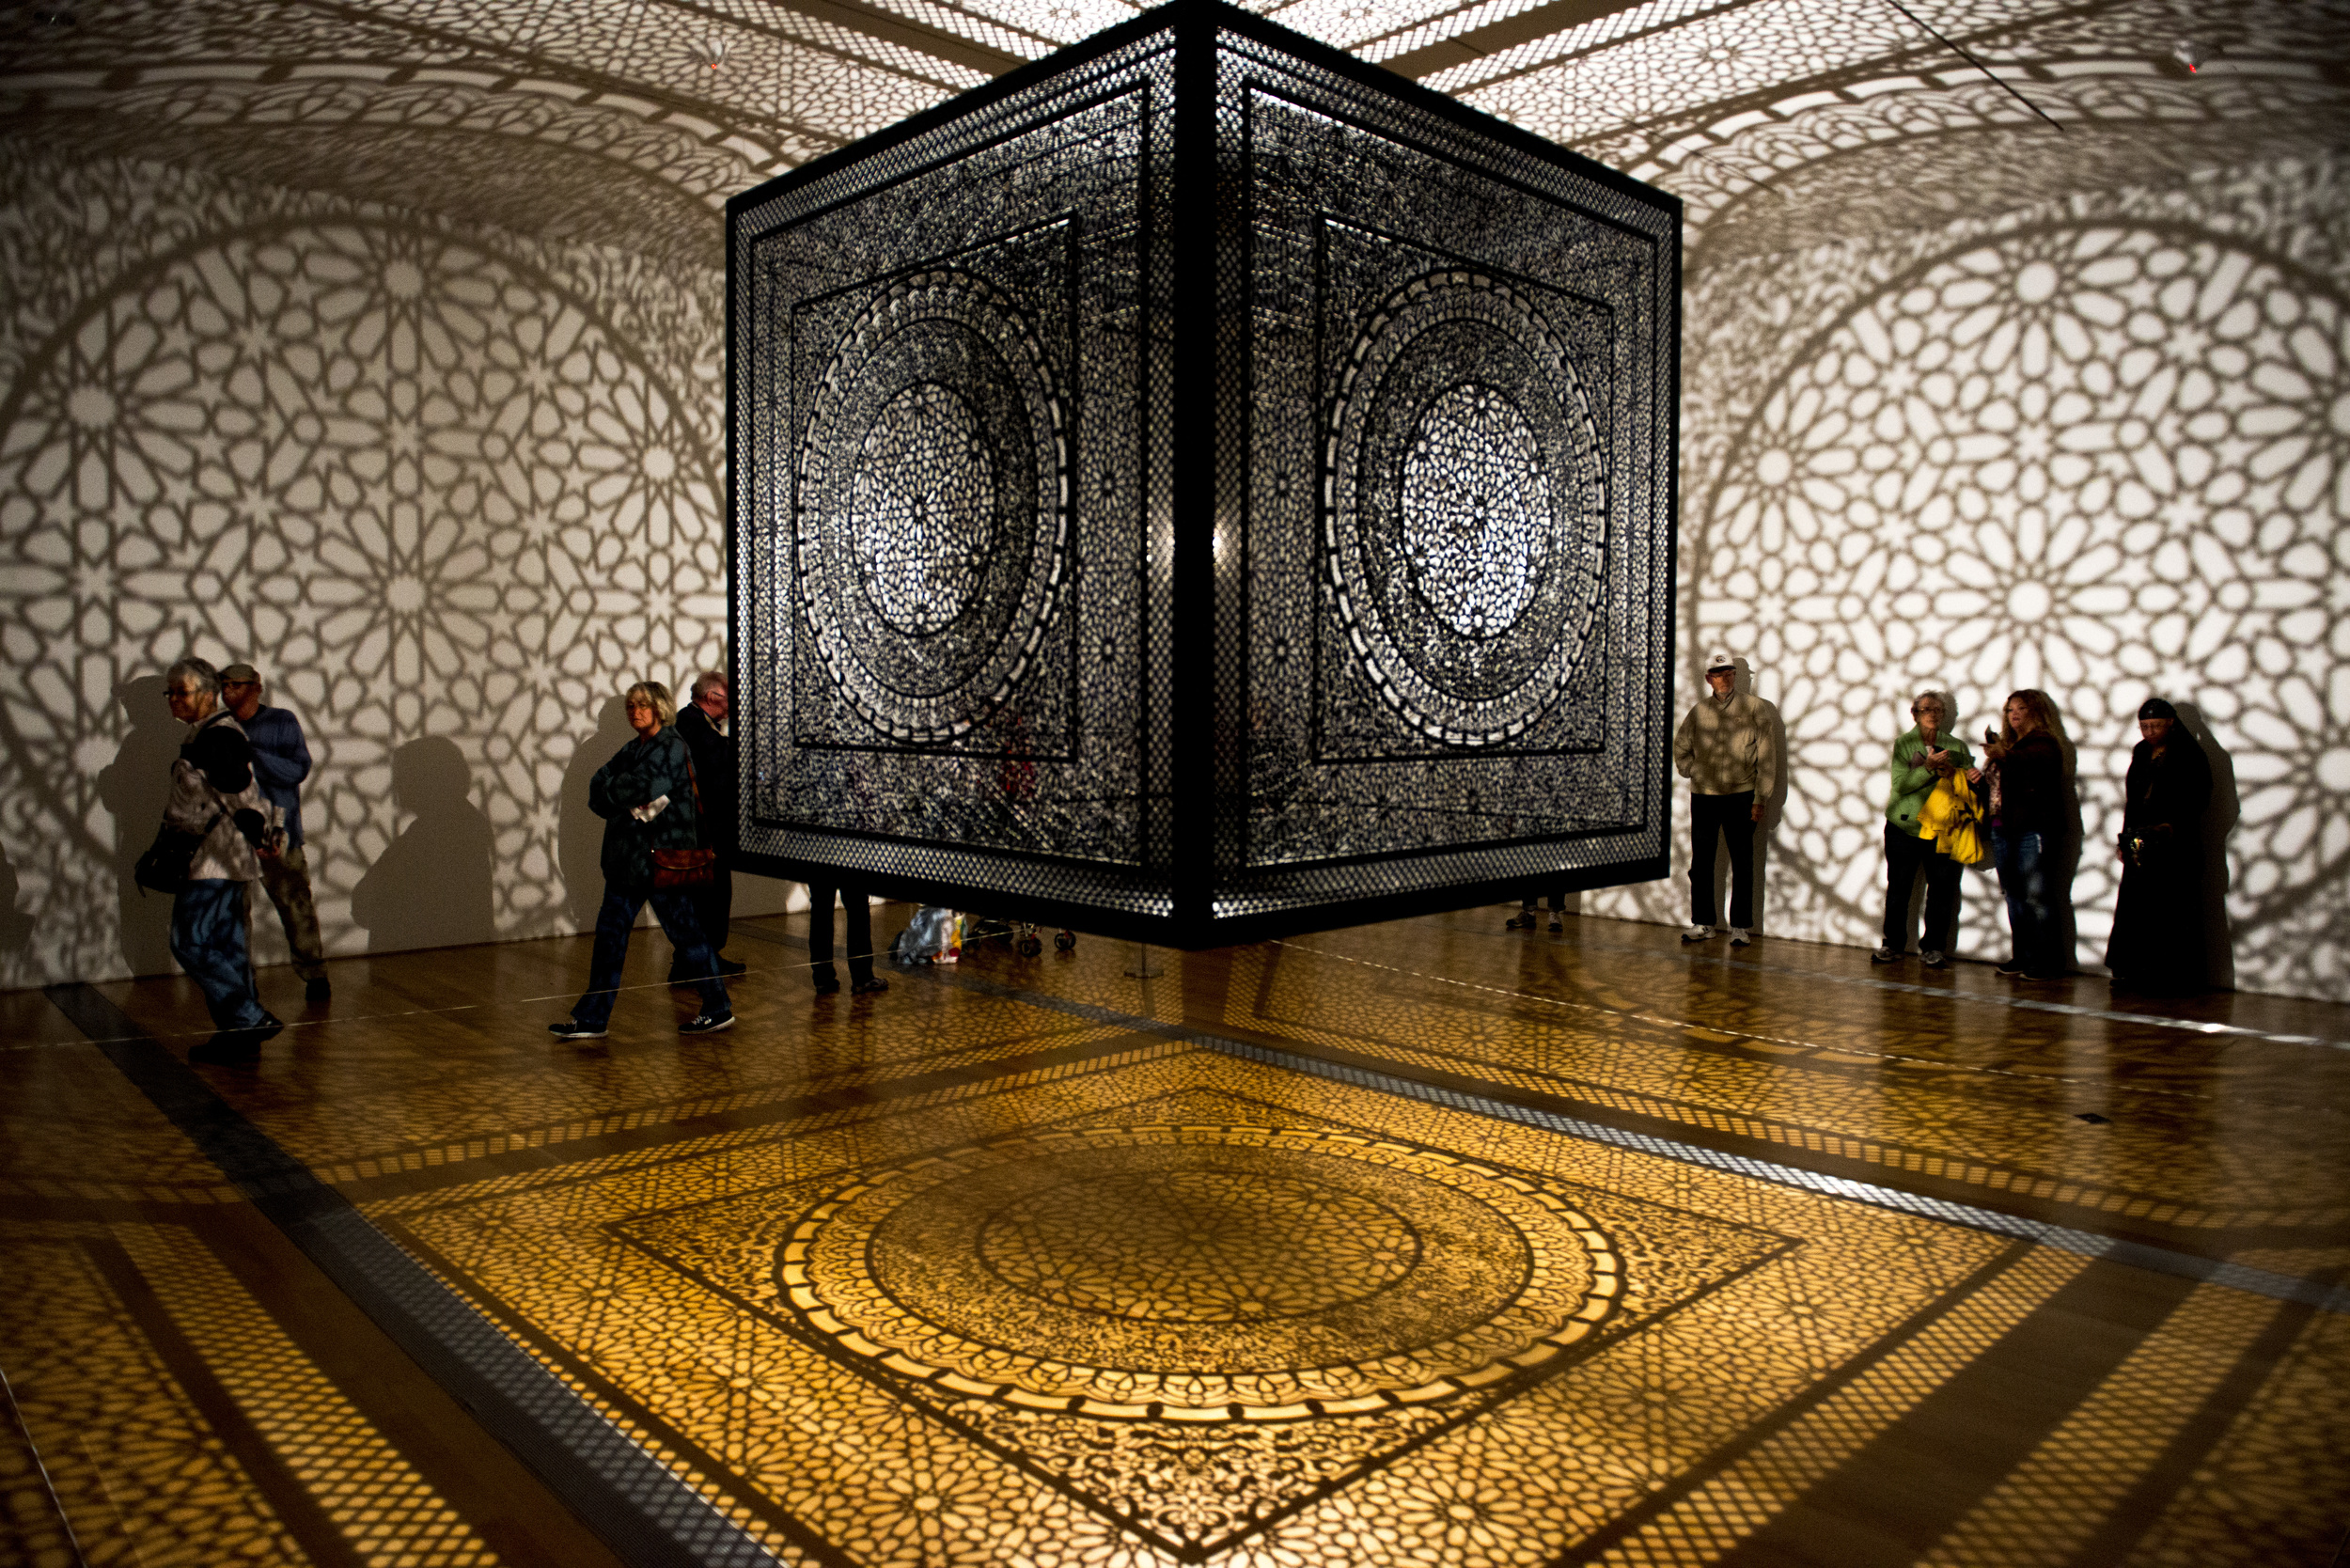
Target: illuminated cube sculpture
(1201, 487)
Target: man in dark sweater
(281, 760)
(702, 723)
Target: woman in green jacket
(1924, 756)
(645, 795)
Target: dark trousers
(1905, 856)
(208, 927)
(1730, 817)
(614, 922)
(2021, 859)
(819, 933)
(713, 906)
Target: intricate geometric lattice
(933, 539)
(1470, 508)
(1105, 559)
(432, 491)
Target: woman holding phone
(2024, 764)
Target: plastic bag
(928, 938)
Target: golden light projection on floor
(1193, 1313)
(982, 1319)
(1424, 1244)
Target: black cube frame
(1283, 413)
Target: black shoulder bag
(165, 865)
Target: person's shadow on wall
(579, 832)
(2219, 819)
(16, 927)
(135, 788)
(432, 887)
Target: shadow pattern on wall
(2100, 446)
(435, 482)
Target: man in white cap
(1728, 749)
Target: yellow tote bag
(1953, 819)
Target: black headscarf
(2154, 707)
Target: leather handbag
(677, 870)
(682, 869)
(165, 865)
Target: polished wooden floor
(1418, 1243)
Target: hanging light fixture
(710, 51)
(2190, 54)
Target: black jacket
(639, 774)
(714, 770)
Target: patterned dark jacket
(641, 773)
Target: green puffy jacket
(641, 773)
(1913, 781)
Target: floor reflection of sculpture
(432, 888)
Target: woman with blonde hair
(2025, 763)
(645, 795)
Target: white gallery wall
(450, 489)
(2097, 445)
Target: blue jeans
(675, 911)
(2021, 859)
(208, 922)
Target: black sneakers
(572, 1029)
(706, 1023)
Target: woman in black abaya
(2157, 944)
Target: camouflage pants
(288, 879)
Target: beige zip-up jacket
(1728, 745)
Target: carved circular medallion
(1466, 509)
(932, 532)
(1200, 1273)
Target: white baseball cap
(1720, 659)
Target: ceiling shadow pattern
(432, 480)
(524, 161)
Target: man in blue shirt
(281, 760)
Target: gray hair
(1941, 699)
(707, 682)
(199, 674)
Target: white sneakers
(1698, 933)
(1741, 937)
